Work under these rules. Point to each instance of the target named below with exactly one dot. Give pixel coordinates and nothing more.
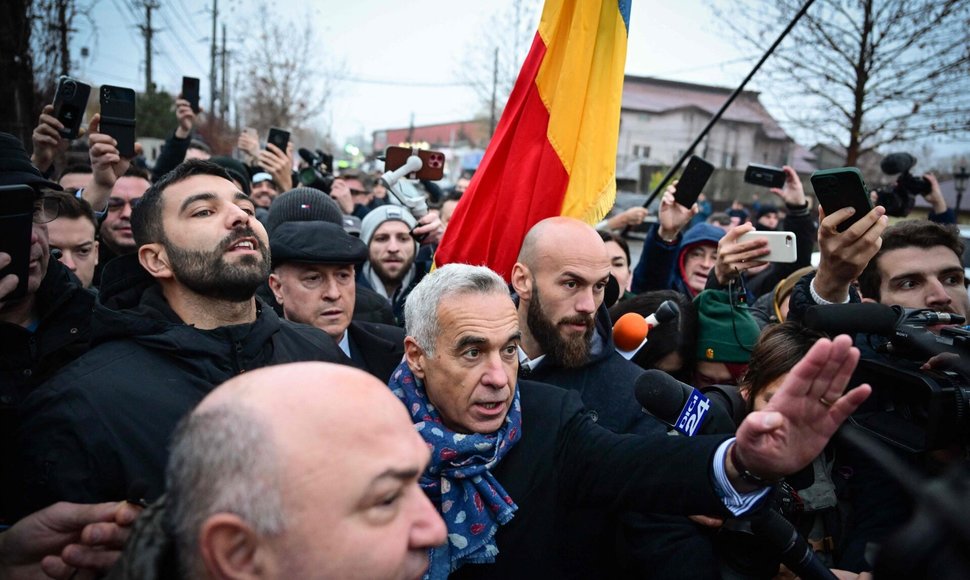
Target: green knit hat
(725, 333)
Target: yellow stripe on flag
(581, 83)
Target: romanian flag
(554, 150)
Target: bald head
(300, 460)
(552, 238)
(285, 394)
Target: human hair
(778, 350)
(421, 307)
(679, 336)
(719, 219)
(72, 207)
(906, 234)
(136, 171)
(200, 145)
(222, 461)
(146, 217)
(82, 168)
(611, 237)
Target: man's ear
(231, 549)
(275, 285)
(522, 281)
(154, 259)
(415, 356)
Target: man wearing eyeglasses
(49, 326)
(115, 230)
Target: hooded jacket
(661, 264)
(104, 422)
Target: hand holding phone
(432, 162)
(70, 101)
(278, 137)
(118, 117)
(781, 245)
(839, 188)
(692, 181)
(190, 92)
(16, 229)
(764, 175)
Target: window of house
(641, 151)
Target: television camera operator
(915, 266)
(899, 197)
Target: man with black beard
(560, 277)
(175, 319)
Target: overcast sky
(400, 56)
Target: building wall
(660, 139)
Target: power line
(390, 83)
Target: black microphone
(682, 407)
(795, 552)
(308, 156)
(867, 317)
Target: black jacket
(658, 543)
(566, 462)
(29, 358)
(376, 348)
(104, 422)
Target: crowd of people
(221, 370)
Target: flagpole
(717, 116)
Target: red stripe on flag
(520, 181)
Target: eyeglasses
(117, 203)
(45, 210)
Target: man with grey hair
(315, 480)
(511, 458)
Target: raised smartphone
(278, 137)
(764, 175)
(118, 117)
(842, 187)
(692, 181)
(781, 245)
(190, 92)
(432, 162)
(16, 223)
(70, 101)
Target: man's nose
(495, 374)
(936, 295)
(586, 301)
(67, 258)
(331, 290)
(429, 529)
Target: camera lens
(70, 89)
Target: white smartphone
(781, 245)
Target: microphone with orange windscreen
(630, 330)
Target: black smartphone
(692, 181)
(118, 117)
(764, 175)
(16, 223)
(279, 137)
(432, 162)
(70, 101)
(842, 187)
(190, 92)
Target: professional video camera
(899, 198)
(911, 408)
(317, 172)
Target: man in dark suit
(313, 280)
(509, 459)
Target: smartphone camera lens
(70, 89)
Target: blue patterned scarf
(458, 480)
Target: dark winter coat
(104, 422)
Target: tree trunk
(16, 70)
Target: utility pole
(63, 28)
(212, 64)
(491, 122)
(224, 93)
(148, 31)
